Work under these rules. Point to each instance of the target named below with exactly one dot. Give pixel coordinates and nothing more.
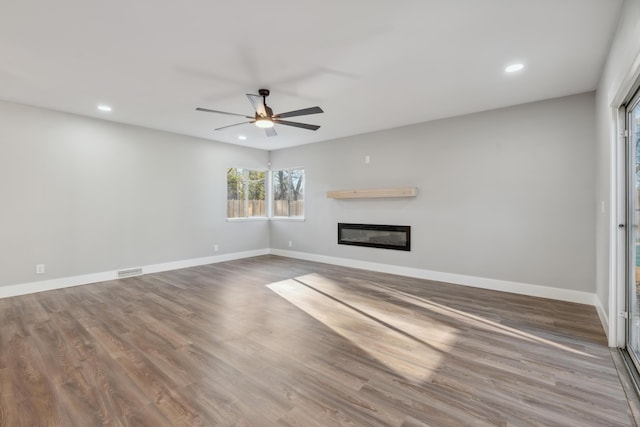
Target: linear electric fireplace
(396, 237)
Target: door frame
(616, 322)
(632, 209)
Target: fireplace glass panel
(374, 235)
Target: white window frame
(271, 193)
(245, 183)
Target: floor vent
(129, 273)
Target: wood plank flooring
(275, 341)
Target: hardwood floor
(276, 341)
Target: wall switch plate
(290, 243)
(216, 248)
(367, 159)
(39, 268)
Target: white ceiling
(370, 64)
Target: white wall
(84, 196)
(621, 70)
(504, 194)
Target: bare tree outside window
(288, 193)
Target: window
(246, 193)
(288, 193)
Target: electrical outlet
(367, 159)
(290, 243)
(39, 268)
(216, 248)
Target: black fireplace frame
(375, 227)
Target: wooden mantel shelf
(373, 193)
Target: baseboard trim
(176, 265)
(67, 282)
(457, 279)
(602, 315)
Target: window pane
(235, 193)
(288, 192)
(297, 193)
(245, 193)
(256, 193)
(280, 193)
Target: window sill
(248, 219)
(288, 218)
(264, 218)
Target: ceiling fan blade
(303, 112)
(235, 124)
(222, 112)
(270, 132)
(296, 124)
(257, 102)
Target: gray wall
(504, 194)
(625, 49)
(85, 196)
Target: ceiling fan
(264, 117)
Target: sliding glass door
(633, 234)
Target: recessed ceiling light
(242, 137)
(514, 67)
(105, 108)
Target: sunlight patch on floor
(478, 321)
(410, 349)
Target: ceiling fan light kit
(264, 123)
(264, 117)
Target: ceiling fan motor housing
(268, 112)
